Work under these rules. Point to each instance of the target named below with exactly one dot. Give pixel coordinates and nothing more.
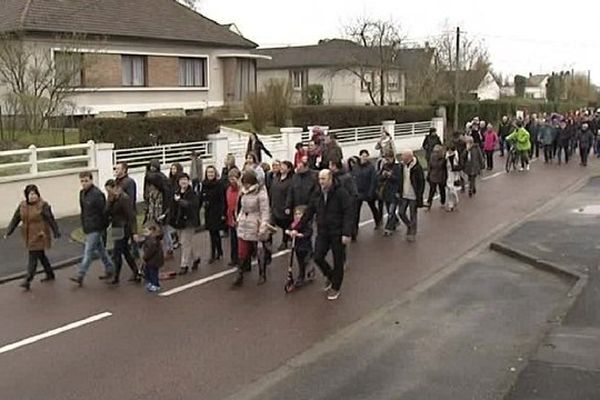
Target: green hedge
(493, 111)
(352, 116)
(135, 132)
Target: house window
(393, 82)
(134, 70)
(245, 78)
(297, 80)
(68, 69)
(193, 72)
(367, 81)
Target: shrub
(257, 107)
(138, 132)
(314, 95)
(279, 98)
(352, 116)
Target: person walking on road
(453, 177)
(586, 141)
(366, 178)
(520, 138)
(185, 217)
(385, 144)
(232, 197)
(37, 221)
(127, 185)
(334, 229)
(431, 140)
(303, 187)
(347, 182)
(387, 190)
(257, 147)
(92, 203)
(472, 164)
(437, 176)
(213, 199)
(252, 224)
(196, 172)
(280, 215)
(120, 214)
(174, 173)
(546, 136)
(412, 186)
(505, 129)
(490, 141)
(158, 197)
(152, 256)
(253, 164)
(563, 138)
(331, 152)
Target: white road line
(54, 332)
(231, 271)
(497, 174)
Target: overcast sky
(522, 36)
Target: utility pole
(456, 80)
(589, 85)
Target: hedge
(137, 132)
(493, 111)
(352, 116)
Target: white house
(475, 84)
(139, 55)
(536, 87)
(344, 69)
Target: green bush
(492, 111)
(279, 98)
(314, 95)
(137, 132)
(352, 116)
(257, 107)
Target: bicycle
(511, 159)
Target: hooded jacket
(521, 138)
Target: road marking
(54, 332)
(231, 271)
(497, 174)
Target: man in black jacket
(127, 184)
(334, 228)
(366, 178)
(412, 186)
(122, 217)
(92, 202)
(347, 182)
(302, 188)
(185, 217)
(506, 128)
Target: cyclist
(520, 138)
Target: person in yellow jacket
(520, 139)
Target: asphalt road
(209, 342)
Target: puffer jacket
(253, 216)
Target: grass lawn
(246, 126)
(44, 139)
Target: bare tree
(473, 52)
(373, 60)
(38, 82)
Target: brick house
(336, 64)
(139, 56)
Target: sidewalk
(567, 363)
(64, 251)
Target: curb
(56, 266)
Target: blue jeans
(94, 246)
(167, 238)
(151, 274)
(392, 221)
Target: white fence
(33, 160)
(167, 154)
(372, 133)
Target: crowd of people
(312, 203)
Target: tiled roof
(149, 19)
(338, 53)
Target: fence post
(355, 135)
(390, 127)
(291, 136)
(220, 147)
(103, 161)
(438, 124)
(91, 152)
(33, 166)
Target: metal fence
(274, 143)
(371, 133)
(167, 154)
(34, 160)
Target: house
(139, 56)
(347, 71)
(474, 84)
(536, 86)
